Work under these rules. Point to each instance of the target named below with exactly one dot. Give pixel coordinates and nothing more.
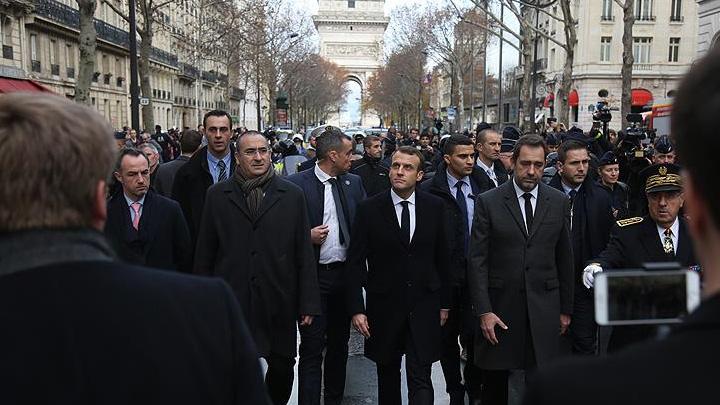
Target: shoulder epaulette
(629, 221)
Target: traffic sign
(451, 113)
(144, 101)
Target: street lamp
(134, 88)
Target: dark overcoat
(268, 261)
(406, 285)
(524, 279)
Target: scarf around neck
(253, 189)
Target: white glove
(589, 274)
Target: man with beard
(520, 273)
(255, 235)
(331, 195)
(371, 170)
(590, 222)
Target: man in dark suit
(331, 196)
(255, 234)
(189, 143)
(680, 369)
(211, 164)
(590, 221)
(370, 168)
(458, 172)
(520, 273)
(488, 154)
(400, 254)
(80, 327)
(661, 236)
(144, 227)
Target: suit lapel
(145, 230)
(235, 194)
(685, 255)
(511, 202)
(651, 242)
(541, 209)
(272, 196)
(388, 210)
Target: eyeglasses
(252, 152)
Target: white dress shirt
(132, 211)
(488, 170)
(396, 199)
(675, 229)
(331, 251)
(521, 200)
(467, 190)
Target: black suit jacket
(162, 240)
(681, 369)
(500, 173)
(315, 196)
(165, 175)
(520, 276)
(100, 332)
(268, 260)
(190, 185)
(406, 285)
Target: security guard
(664, 152)
(608, 174)
(661, 236)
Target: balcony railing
(642, 66)
(237, 93)
(540, 64)
(189, 70)
(164, 57)
(7, 52)
(210, 76)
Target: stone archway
(351, 35)
(351, 111)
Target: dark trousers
(279, 378)
(471, 373)
(419, 380)
(583, 329)
(450, 358)
(330, 332)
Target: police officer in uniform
(664, 152)
(608, 174)
(661, 236)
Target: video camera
(636, 138)
(602, 110)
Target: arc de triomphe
(351, 35)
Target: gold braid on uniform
(629, 221)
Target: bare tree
(88, 45)
(627, 57)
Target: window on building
(54, 50)
(605, 43)
(643, 10)
(674, 51)
(33, 47)
(69, 61)
(607, 14)
(641, 49)
(351, 3)
(676, 10)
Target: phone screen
(646, 297)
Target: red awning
(641, 98)
(8, 85)
(573, 99)
(549, 100)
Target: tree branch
(117, 10)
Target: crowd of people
(478, 250)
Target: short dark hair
(411, 150)
(190, 141)
(328, 141)
(368, 141)
(567, 146)
(530, 140)
(217, 113)
(249, 133)
(425, 134)
(482, 135)
(454, 141)
(694, 127)
(134, 152)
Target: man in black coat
(488, 147)
(458, 170)
(211, 164)
(371, 170)
(165, 177)
(682, 368)
(80, 327)
(331, 196)
(520, 272)
(662, 236)
(255, 234)
(144, 227)
(400, 254)
(591, 219)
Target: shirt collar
(396, 199)
(321, 175)
(214, 161)
(675, 228)
(483, 167)
(452, 181)
(519, 192)
(567, 188)
(130, 201)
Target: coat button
(409, 284)
(253, 253)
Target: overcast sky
(312, 5)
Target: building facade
(708, 25)
(40, 43)
(664, 46)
